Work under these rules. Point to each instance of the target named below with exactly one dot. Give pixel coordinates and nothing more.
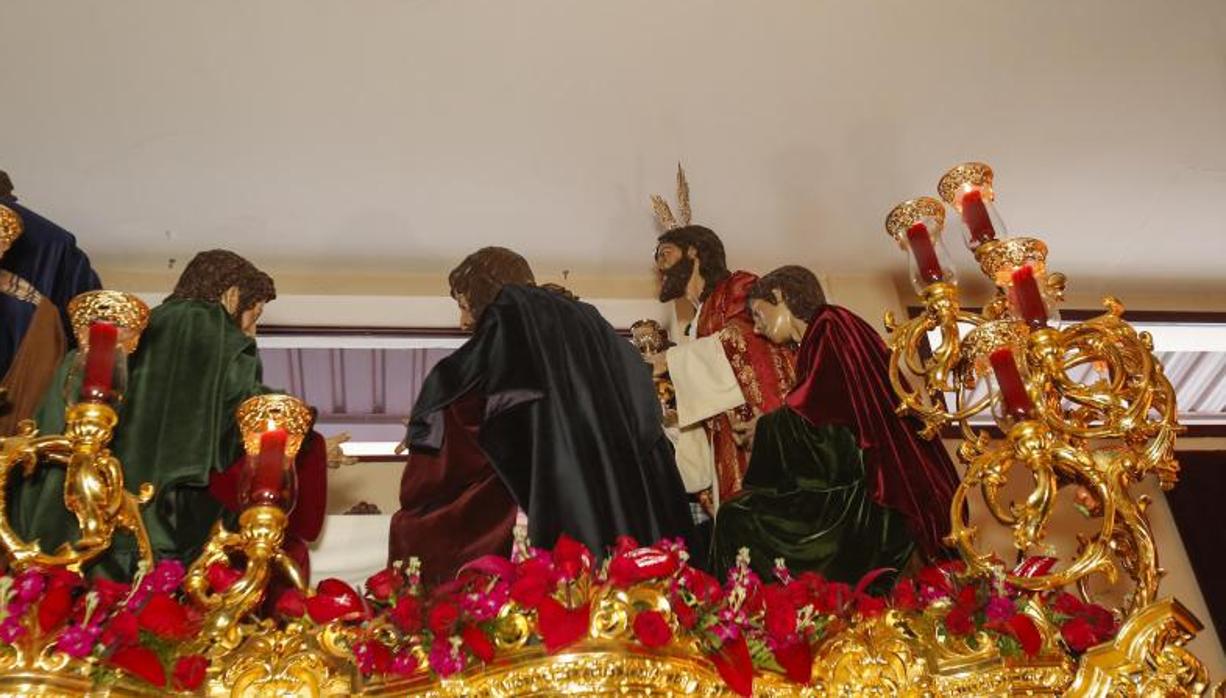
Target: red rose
(335, 600)
(796, 658)
(905, 597)
(55, 607)
(936, 579)
(443, 616)
(1022, 627)
(530, 591)
(834, 596)
(1078, 634)
(686, 615)
(780, 619)
(735, 666)
(560, 626)
(166, 618)
(959, 622)
(291, 604)
(384, 583)
(406, 614)
(221, 577)
(651, 629)
(869, 606)
(141, 662)
(373, 657)
(189, 672)
(1100, 620)
(1067, 605)
(122, 630)
(478, 643)
(571, 557)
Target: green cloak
(193, 367)
(806, 500)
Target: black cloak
(572, 424)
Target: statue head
(221, 276)
(6, 187)
(784, 302)
(475, 283)
(685, 251)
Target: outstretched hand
(336, 456)
(743, 431)
(658, 361)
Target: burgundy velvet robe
(453, 506)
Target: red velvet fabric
(844, 379)
(765, 371)
(306, 521)
(453, 506)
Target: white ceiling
(398, 135)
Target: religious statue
(196, 362)
(41, 269)
(838, 482)
(722, 372)
(546, 408)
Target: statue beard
(675, 278)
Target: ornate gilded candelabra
(1082, 405)
(108, 325)
(273, 427)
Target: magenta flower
(29, 586)
(1000, 609)
(445, 659)
(166, 576)
(78, 641)
(11, 629)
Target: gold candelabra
(1082, 405)
(261, 525)
(93, 482)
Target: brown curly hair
(483, 273)
(210, 273)
(801, 290)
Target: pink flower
(445, 659)
(166, 576)
(11, 629)
(78, 641)
(29, 586)
(1000, 609)
(403, 664)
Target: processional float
(1076, 408)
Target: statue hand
(658, 362)
(743, 431)
(336, 456)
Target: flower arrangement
(400, 629)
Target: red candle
(1009, 382)
(975, 216)
(99, 361)
(269, 475)
(1029, 299)
(925, 253)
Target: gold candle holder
(261, 528)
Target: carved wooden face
(774, 321)
(250, 318)
(467, 321)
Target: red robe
(765, 371)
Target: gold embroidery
(16, 287)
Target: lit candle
(99, 361)
(975, 216)
(1029, 299)
(269, 475)
(925, 253)
(1009, 382)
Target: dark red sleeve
(306, 521)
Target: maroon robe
(453, 506)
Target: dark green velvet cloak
(806, 500)
(176, 426)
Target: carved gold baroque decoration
(11, 228)
(124, 310)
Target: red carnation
(478, 643)
(122, 630)
(905, 597)
(529, 591)
(1022, 627)
(373, 657)
(833, 596)
(703, 586)
(571, 557)
(1100, 620)
(686, 615)
(869, 606)
(141, 662)
(382, 584)
(936, 579)
(780, 619)
(189, 672)
(406, 614)
(109, 593)
(796, 658)
(335, 600)
(651, 629)
(735, 666)
(166, 618)
(641, 564)
(1079, 634)
(221, 577)
(560, 626)
(61, 577)
(959, 622)
(967, 600)
(443, 617)
(55, 607)
(1067, 604)
(291, 604)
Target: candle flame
(272, 424)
